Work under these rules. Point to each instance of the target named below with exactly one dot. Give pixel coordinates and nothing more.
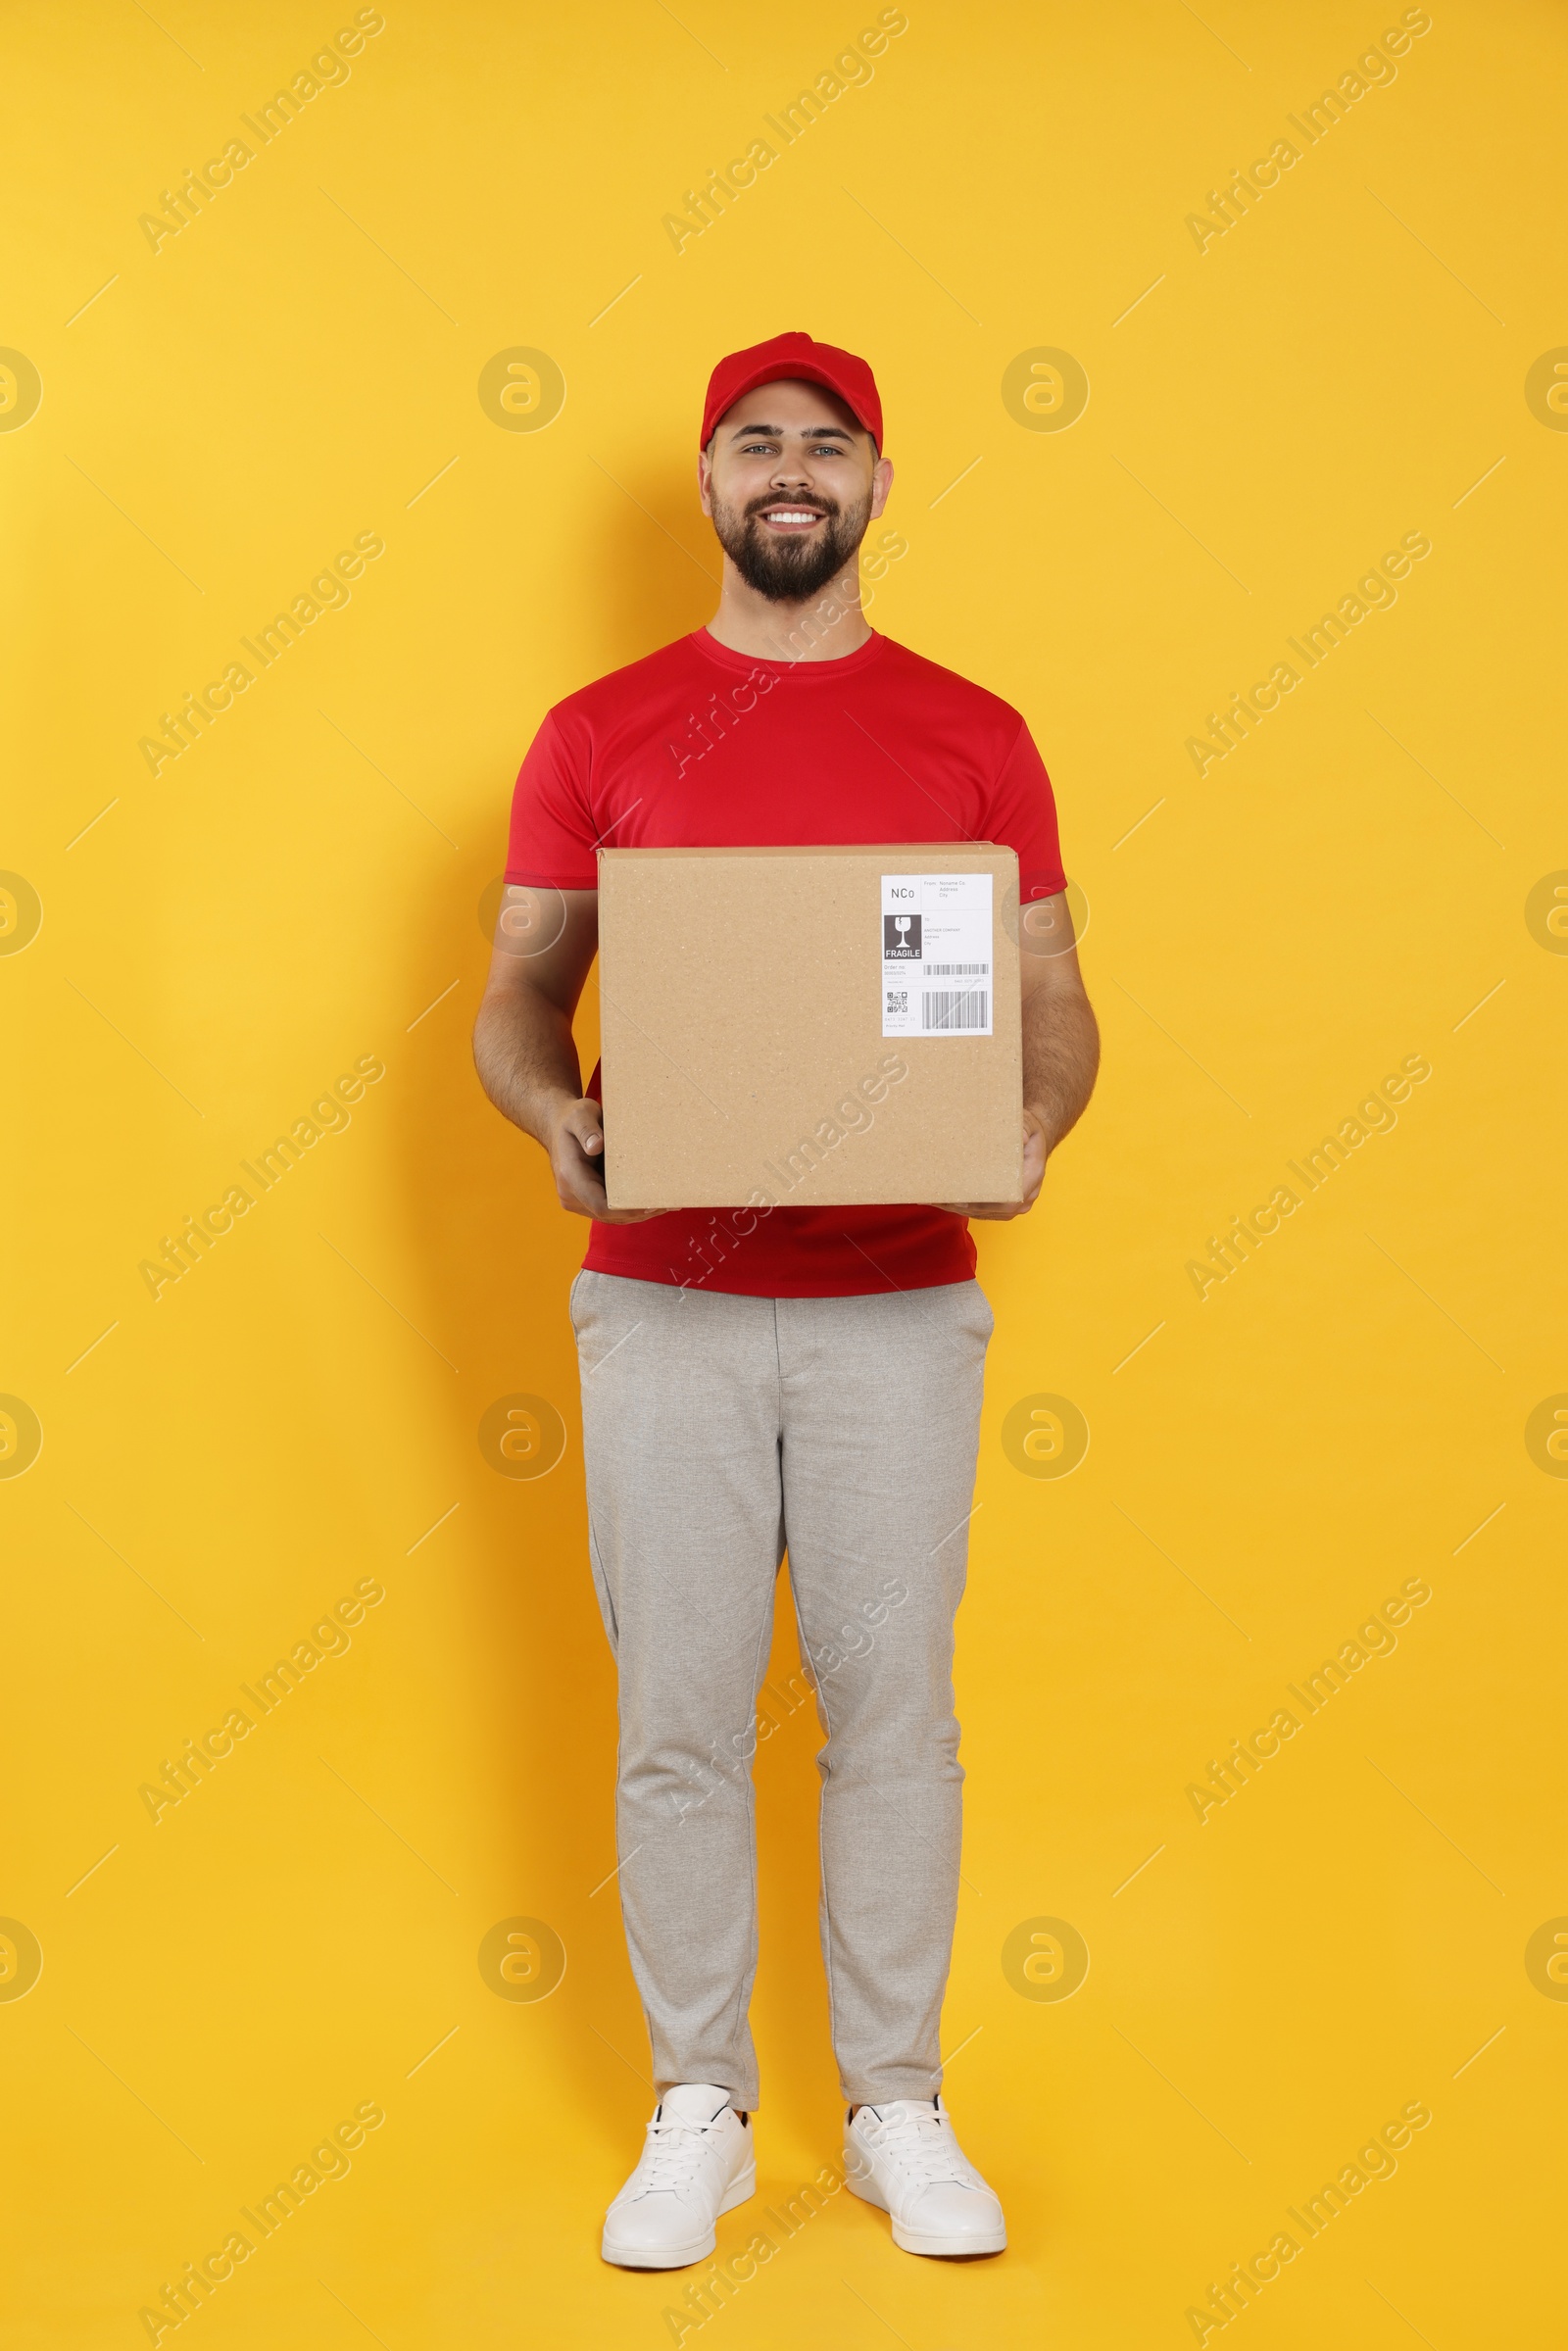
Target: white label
(936, 955)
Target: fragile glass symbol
(901, 923)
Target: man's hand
(522, 1042)
(1060, 1047)
(1034, 1175)
(576, 1148)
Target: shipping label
(936, 955)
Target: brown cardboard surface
(741, 1010)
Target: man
(811, 1377)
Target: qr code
(898, 999)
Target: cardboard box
(809, 1026)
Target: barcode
(955, 1007)
(954, 971)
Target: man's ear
(881, 484)
(704, 478)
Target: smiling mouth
(792, 518)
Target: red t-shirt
(701, 747)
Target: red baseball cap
(794, 357)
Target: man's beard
(790, 570)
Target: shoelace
(923, 2144)
(674, 2153)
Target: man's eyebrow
(814, 432)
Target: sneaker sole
(910, 2240)
(680, 2257)
(916, 2240)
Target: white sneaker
(905, 2158)
(697, 2163)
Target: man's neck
(823, 628)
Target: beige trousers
(717, 1431)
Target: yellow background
(295, 890)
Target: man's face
(791, 481)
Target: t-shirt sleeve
(1022, 815)
(553, 832)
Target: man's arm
(523, 1043)
(1060, 1047)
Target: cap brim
(786, 375)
